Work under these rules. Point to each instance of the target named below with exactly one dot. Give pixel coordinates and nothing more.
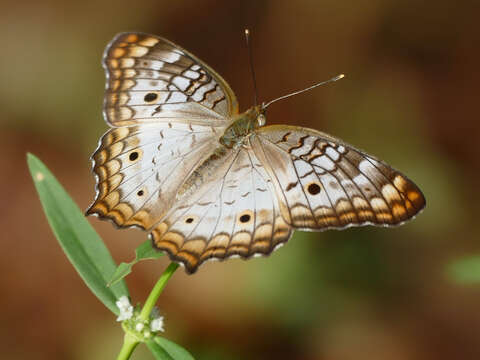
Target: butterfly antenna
(338, 77)
(250, 56)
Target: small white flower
(126, 309)
(147, 334)
(139, 327)
(157, 324)
(123, 303)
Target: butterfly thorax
(242, 126)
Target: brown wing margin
(152, 66)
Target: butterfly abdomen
(206, 171)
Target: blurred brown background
(410, 97)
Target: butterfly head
(254, 117)
(260, 118)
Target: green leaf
(144, 252)
(82, 245)
(158, 351)
(176, 351)
(465, 271)
(120, 272)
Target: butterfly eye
(261, 120)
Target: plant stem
(157, 290)
(130, 341)
(129, 344)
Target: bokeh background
(410, 97)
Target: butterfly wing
(168, 109)
(140, 168)
(150, 78)
(323, 182)
(234, 214)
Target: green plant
(93, 262)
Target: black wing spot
(140, 193)
(189, 220)
(245, 218)
(150, 97)
(314, 189)
(133, 156)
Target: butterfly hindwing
(235, 214)
(325, 183)
(150, 78)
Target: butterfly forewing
(326, 183)
(150, 78)
(169, 109)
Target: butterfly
(208, 182)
